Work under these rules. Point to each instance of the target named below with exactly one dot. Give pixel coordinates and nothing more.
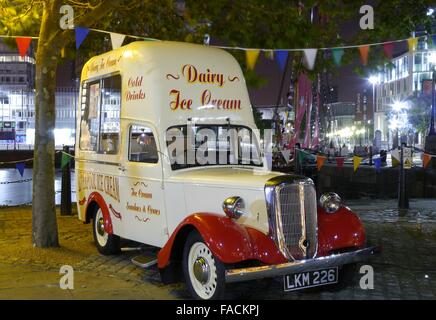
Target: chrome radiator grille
(293, 218)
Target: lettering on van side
(131, 92)
(192, 75)
(144, 208)
(225, 104)
(140, 194)
(96, 66)
(206, 99)
(91, 181)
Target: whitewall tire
(204, 273)
(106, 244)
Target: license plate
(310, 279)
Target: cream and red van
(146, 110)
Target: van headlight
(331, 202)
(234, 207)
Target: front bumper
(269, 271)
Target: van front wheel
(204, 273)
(106, 244)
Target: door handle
(122, 168)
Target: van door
(144, 217)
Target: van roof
(178, 81)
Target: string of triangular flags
(20, 165)
(426, 159)
(252, 54)
(117, 39)
(310, 54)
(320, 159)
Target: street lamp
(398, 106)
(374, 80)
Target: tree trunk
(51, 40)
(44, 224)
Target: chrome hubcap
(101, 235)
(100, 227)
(201, 270)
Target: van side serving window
(142, 145)
(110, 115)
(100, 115)
(89, 123)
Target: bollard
(403, 197)
(370, 156)
(66, 187)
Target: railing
(21, 146)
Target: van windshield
(207, 145)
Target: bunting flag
(356, 162)
(388, 48)
(320, 161)
(301, 155)
(23, 44)
(286, 153)
(66, 158)
(20, 167)
(377, 164)
(340, 162)
(251, 56)
(310, 57)
(269, 54)
(364, 51)
(81, 34)
(117, 40)
(282, 58)
(412, 43)
(395, 156)
(426, 160)
(337, 54)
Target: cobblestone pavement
(406, 269)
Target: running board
(144, 261)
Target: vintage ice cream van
(168, 155)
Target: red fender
(264, 248)
(232, 242)
(340, 230)
(229, 241)
(95, 196)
